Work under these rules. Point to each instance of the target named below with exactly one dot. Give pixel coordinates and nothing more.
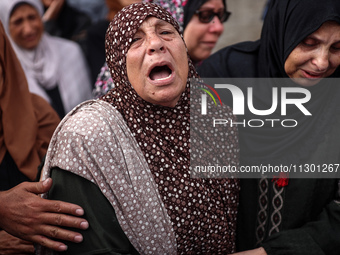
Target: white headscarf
(53, 62)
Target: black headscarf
(286, 24)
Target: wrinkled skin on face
(157, 63)
(316, 57)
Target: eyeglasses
(206, 16)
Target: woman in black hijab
(300, 39)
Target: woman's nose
(155, 44)
(216, 26)
(321, 60)
(27, 28)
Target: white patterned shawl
(93, 141)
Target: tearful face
(157, 63)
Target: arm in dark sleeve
(215, 65)
(51, 27)
(320, 237)
(234, 61)
(104, 235)
(71, 24)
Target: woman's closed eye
(166, 32)
(309, 42)
(135, 39)
(336, 46)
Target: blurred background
(244, 23)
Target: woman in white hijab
(55, 68)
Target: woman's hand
(28, 216)
(258, 251)
(13, 245)
(53, 9)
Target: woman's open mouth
(159, 73)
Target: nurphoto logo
(242, 103)
(204, 98)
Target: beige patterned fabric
(94, 142)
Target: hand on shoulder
(24, 214)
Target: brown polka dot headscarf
(202, 211)
(119, 38)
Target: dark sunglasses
(206, 16)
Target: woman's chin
(307, 82)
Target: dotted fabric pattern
(139, 156)
(175, 7)
(202, 211)
(94, 142)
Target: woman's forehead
(152, 21)
(23, 6)
(139, 13)
(125, 25)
